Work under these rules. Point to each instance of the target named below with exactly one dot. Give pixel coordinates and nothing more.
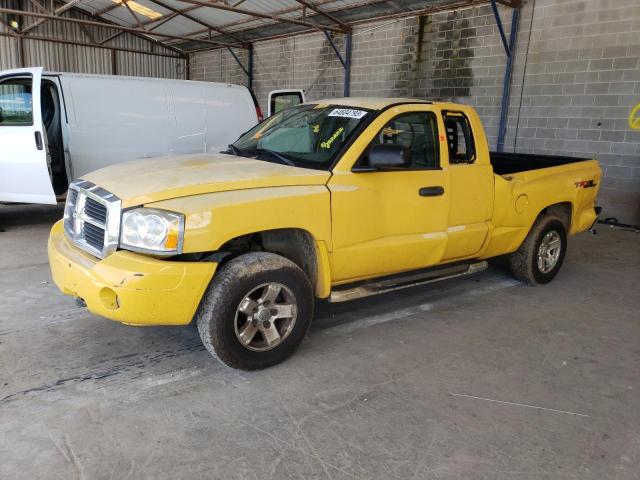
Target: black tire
(219, 314)
(524, 261)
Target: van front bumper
(128, 287)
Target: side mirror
(389, 156)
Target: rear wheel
(540, 256)
(256, 311)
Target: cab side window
(418, 132)
(459, 138)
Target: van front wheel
(540, 256)
(256, 311)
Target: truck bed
(507, 163)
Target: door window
(283, 100)
(459, 138)
(16, 103)
(416, 131)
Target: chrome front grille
(72, 196)
(92, 218)
(93, 235)
(96, 210)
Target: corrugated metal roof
(231, 21)
(136, 59)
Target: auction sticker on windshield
(347, 113)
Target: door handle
(39, 145)
(431, 191)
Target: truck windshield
(304, 136)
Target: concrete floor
(477, 378)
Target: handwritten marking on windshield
(327, 143)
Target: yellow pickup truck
(335, 199)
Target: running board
(408, 280)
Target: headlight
(148, 230)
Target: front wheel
(256, 311)
(540, 257)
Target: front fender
(213, 219)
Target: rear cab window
(460, 141)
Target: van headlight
(148, 230)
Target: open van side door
(281, 99)
(23, 155)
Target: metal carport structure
(180, 27)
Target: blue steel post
(506, 85)
(496, 14)
(345, 61)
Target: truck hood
(154, 179)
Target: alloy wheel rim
(549, 251)
(265, 317)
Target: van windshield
(304, 136)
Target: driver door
(390, 221)
(23, 156)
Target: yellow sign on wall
(634, 118)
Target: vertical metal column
(20, 48)
(506, 84)
(347, 67)
(250, 67)
(345, 61)
(509, 48)
(114, 63)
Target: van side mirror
(389, 156)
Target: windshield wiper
(277, 155)
(235, 150)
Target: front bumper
(128, 287)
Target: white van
(86, 122)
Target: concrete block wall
(385, 58)
(580, 61)
(218, 66)
(576, 77)
(463, 60)
(383, 63)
